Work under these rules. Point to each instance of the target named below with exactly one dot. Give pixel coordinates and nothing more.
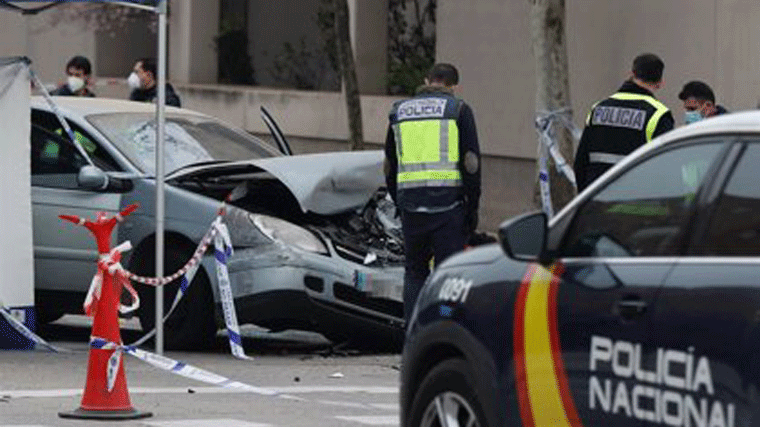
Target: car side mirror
(524, 237)
(92, 178)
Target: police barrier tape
(548, 146)
(26, 333)
(222, 251)
(173, 366)
(109, 263)
(57, 112)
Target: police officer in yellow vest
(432, 171)
(621, 123)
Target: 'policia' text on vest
(422, 108)
(631, 118)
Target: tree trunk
(348, 75)
(547, 21)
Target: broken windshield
(189, 139)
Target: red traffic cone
(98, 402)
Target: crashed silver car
(317, 245)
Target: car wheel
(447, 397)
(191, 326)
(47, 315)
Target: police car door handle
(630, 308)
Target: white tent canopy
(16, 262)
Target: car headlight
(288, 233)
(243, 232)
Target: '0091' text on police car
(637, 305)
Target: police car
(638, 304)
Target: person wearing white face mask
(699, 102)
(78, 71)
(142, 81)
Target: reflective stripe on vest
(82, 140)
(599, 157)
(660, 109)
(428, 153)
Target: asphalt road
(316, 384)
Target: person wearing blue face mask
(699, 102)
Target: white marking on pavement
(386, 406)
(204, 423)
(381, 406)
(389, 420)
(69, 392)
(343, 404)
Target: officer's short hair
(443, 73)
(149, 65)
(697, 90)
(648, 67)
(80, 63)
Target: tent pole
(160, 208)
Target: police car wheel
(446, 397)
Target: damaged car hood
(324, 183)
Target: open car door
(279, 138)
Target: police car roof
(745, 122)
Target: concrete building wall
(717, 41)
(14, 34)
(49, 48)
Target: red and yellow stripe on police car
(542, 385)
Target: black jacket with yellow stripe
(617, 126)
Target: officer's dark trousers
(428, 234)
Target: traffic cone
(97, 401)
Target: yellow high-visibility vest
(427, 144)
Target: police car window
(735, 226)
(100, 157)
(644, 210)
(55, 161)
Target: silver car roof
(83, 106)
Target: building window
(411, 44)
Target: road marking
(205, 423)
(69, 392)
(348, 404)
(386, 420)
(386, 406)
(343, 404)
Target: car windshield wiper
(191, 165)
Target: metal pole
(160, 111)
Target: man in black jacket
(699, 102)
(78, 71)
(432, 172)
(623, 122)
(143, 81)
